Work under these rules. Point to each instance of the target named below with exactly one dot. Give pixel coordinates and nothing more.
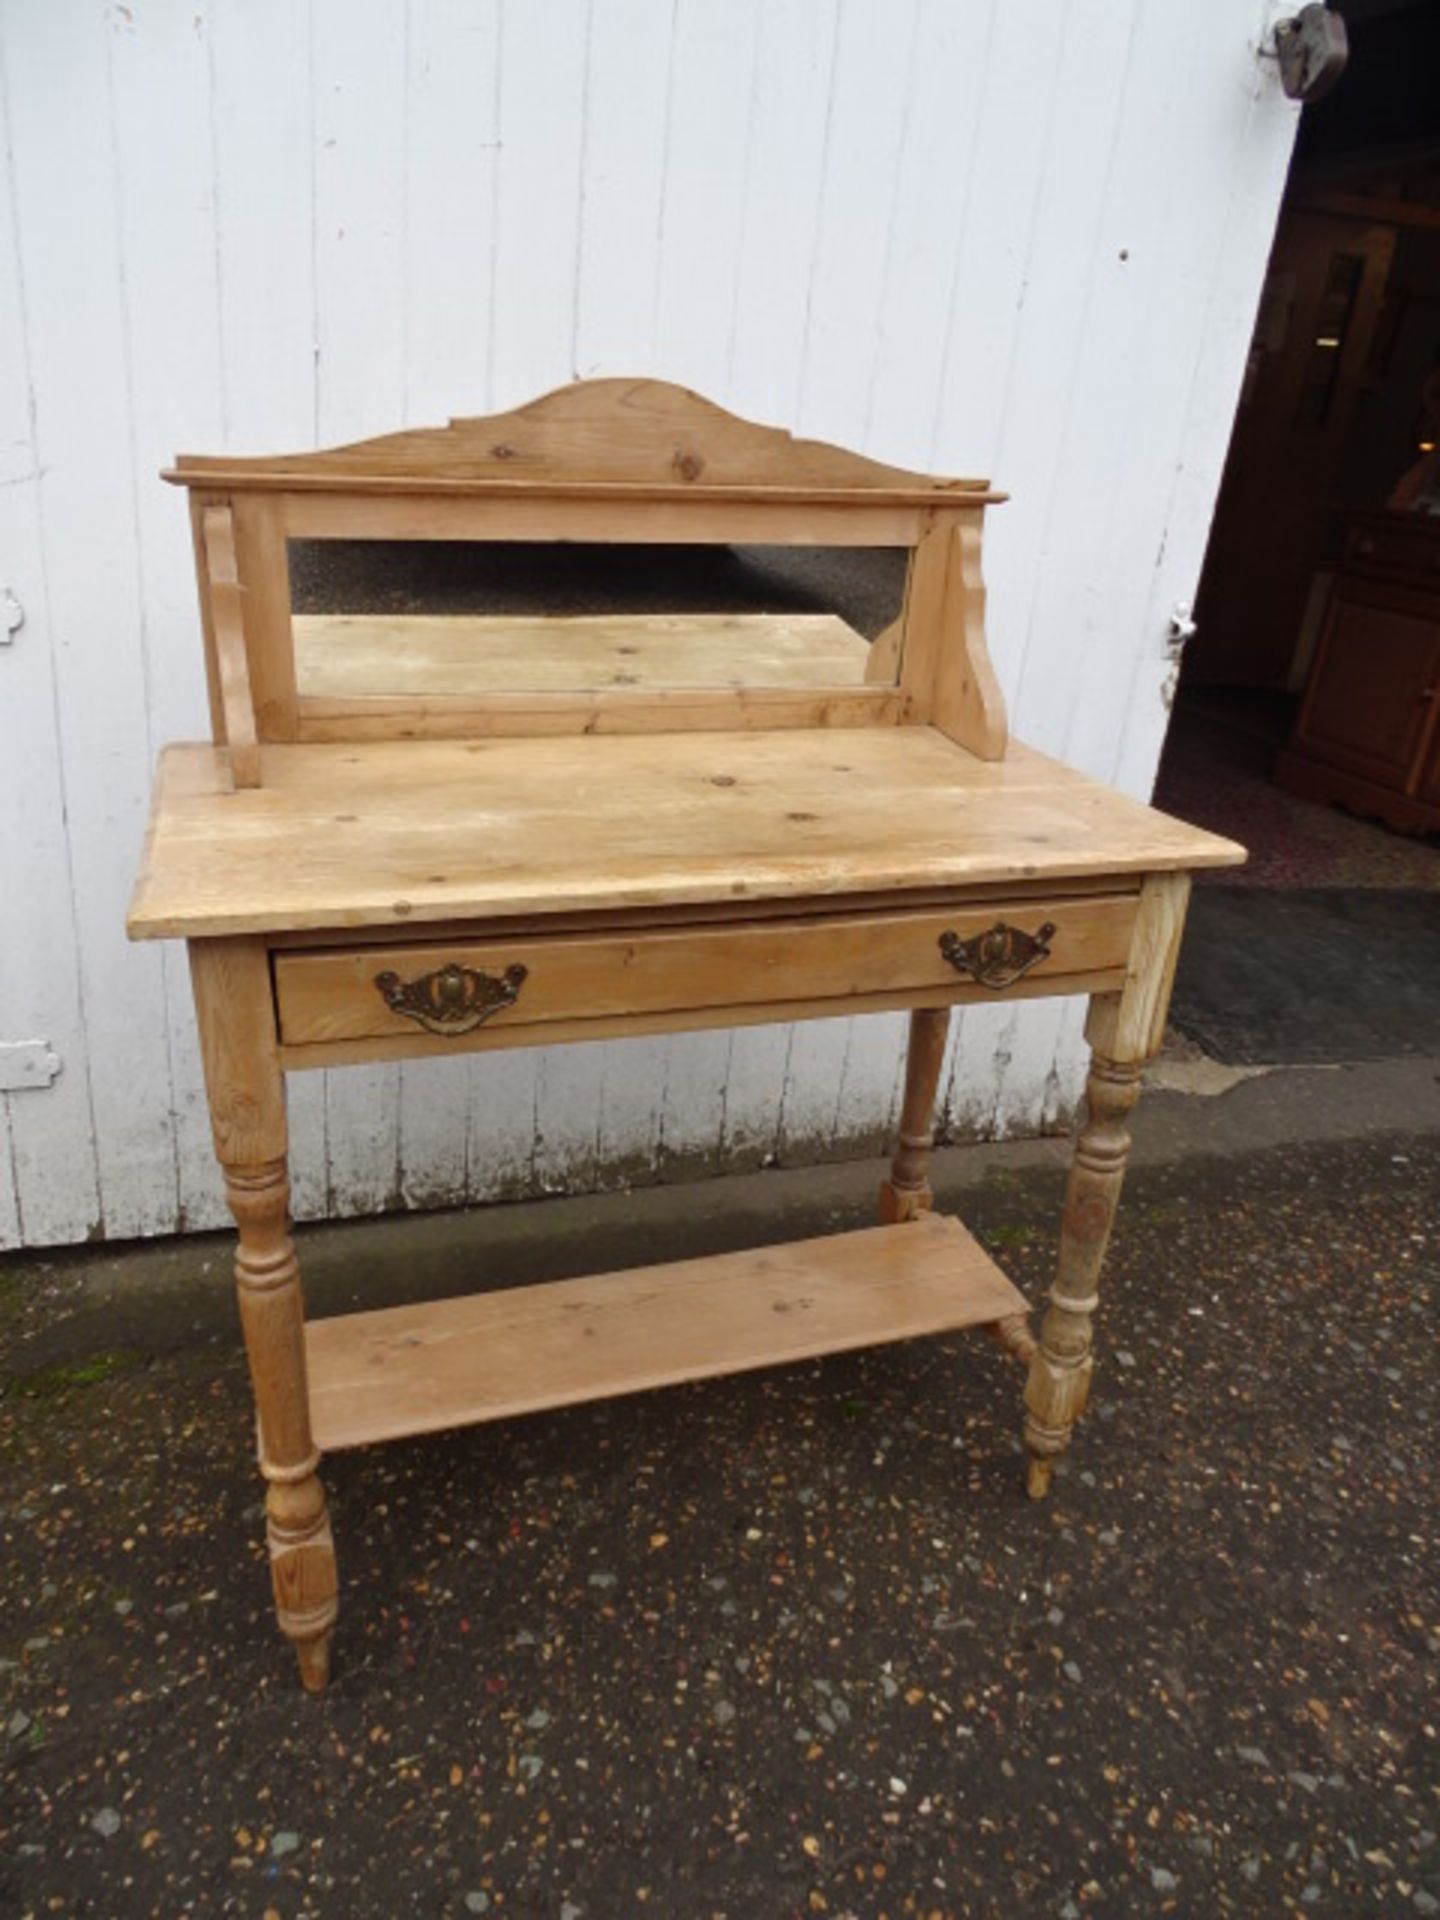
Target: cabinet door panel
(1373, 686)
(1430, 778)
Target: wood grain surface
(447, 1363)
(400, 833)
(345, 655)
(645, 437)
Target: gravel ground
(781, 1645)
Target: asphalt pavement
(786, 1644)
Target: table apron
(424, 997)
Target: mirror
(463, 619)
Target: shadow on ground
(787, 1644)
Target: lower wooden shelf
(450, 1363)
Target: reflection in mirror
(465, 619)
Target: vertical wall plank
(974, 1070)
(171, 321)
(865, 130)
(783, 175)
(40, 990)
(622, 172)
(707, 131)
(569, 1092)
(450, 168)
(811, 1094)
(432, 1141)
(1156, 237)
(1259, 148)
(1023, 1059)
(1067, 1069)
(11, 1227)
(755, 1081)
(867, 1099)
(941, 130)
(1066, 252)
(61, 132)
(1007, 179)
(1186, 242)
(542, 102)
(694, 1073)
(631, 1108)
(500, 1124)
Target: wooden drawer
(450, 989)
(1410, 546)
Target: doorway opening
(1307, 721)
(1314, 676)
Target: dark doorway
(1307, 723)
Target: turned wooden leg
(267, 1276)
(907, 1192)
(247, 1111)
(1059, 1380)
(1015, 1336)
(1124, 1029)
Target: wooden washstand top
(400, 833)
(383, 769)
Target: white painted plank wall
(1021, 238)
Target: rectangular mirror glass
(463, 619)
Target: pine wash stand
(496, 838)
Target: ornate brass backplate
(452, 1000)
(999, 956)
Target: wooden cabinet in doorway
(1367, 731)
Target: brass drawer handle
(999, 956)
(452, 1000)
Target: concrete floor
(791, 1643)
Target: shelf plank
(349, 656)
(449, 1363)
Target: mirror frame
(606, 461)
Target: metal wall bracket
(26, 1065)
(1314, 49)
(12, 616)
(1182, 629)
